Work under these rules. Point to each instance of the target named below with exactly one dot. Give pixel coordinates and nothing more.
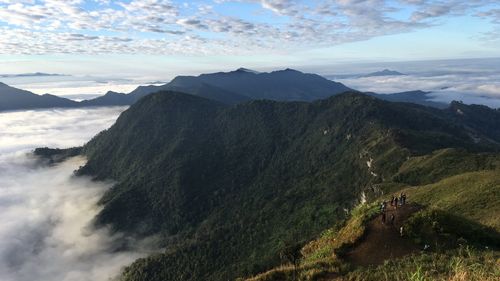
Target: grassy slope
(444, 163)
(462, 205)
(473, 195)
(464, 264)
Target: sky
(153, 37)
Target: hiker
(382, 206)
(392, 219)
(392, 200)
(383, 218)
(401, 199)
(396, 202)
(404, 198)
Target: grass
(460, 194)
(332, 243)
(472, 195)
(321, 256)
(457, 265)
(442, 230)
(444, 163)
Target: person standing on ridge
(396, 202)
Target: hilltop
(227, 187)
(385, 72)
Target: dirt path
(383, 241)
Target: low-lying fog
(46, 213)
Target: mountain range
(15, 99)
(36, 74)
(225, 188)
(232, 87)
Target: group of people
(398, 201)
(391, 219)
(395, 202)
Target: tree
(291, 253)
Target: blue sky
(147, 37)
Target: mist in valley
(46, 230)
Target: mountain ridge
(194, 168)
(228, 87)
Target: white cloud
(46, 228)
(479, 84)
(164, 27)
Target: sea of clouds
(473, 81)
(46, 230)
(73, 87)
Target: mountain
(14, 99)
(225, 187)
(244, 84)
(417, 97)
(282, 85)
(230, 88)
(193, 86)
(110, 98)
(227, 87)
(385, 72)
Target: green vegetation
(442, 164)
(473, 196)
(455, 265)
(55, 155)
(441, 230)
(333, 242)
(226, 188)
(322, 256)
(459, 226)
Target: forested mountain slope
(226, 186)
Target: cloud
(282, 7)
(46, 228)
(476, 81)
(493, 15)
(168, 27)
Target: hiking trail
(383, 241)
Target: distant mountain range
(15, 99)
(385, 72)
(232, 87)
(36, 74)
